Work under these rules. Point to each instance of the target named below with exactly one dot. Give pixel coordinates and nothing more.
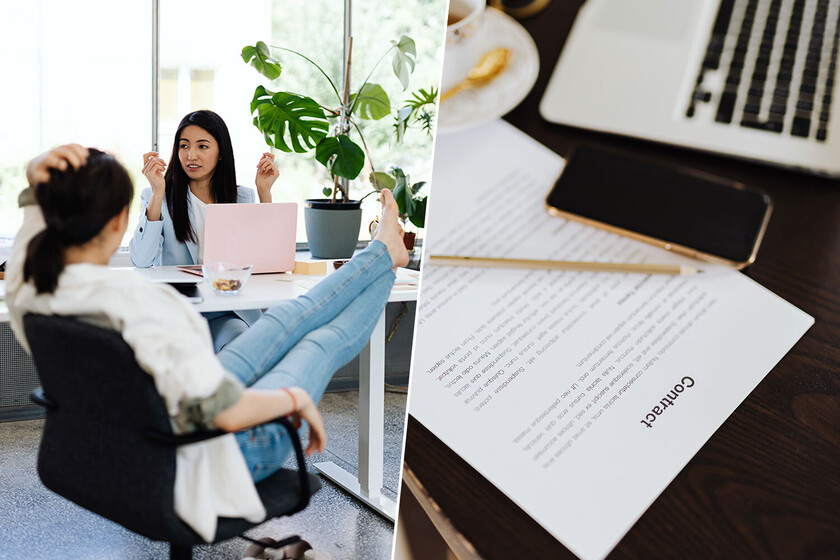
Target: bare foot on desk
(389, 231)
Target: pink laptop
(262, 235)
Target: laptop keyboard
(770, 66)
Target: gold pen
(580, 266)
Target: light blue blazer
(155, 244)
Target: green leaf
(381, 180)
(260, 58)
(289, 122)
(400, 178)
(417, 186)
(327, 191)
(404, 58)
(418, 217)
(402, 193)
(422, 98)
(402, 118)
(372, 103)
(341, 156)
(420, 109)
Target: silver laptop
(748, 78)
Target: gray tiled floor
(35, 523)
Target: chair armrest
(303, 478)
(38, 397)
(174, 440)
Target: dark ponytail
(44, 261)
(76, 205)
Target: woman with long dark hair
(75, 214)
(201, 171)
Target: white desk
(264, 290)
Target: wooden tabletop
(767, 483)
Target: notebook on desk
(262, 235)
(747, 78)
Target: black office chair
(107, 444)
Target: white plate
(475, 106)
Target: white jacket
(172, 342)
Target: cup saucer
(475, 106)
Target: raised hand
(61, 157)
(267, 173)
(307, 410)
(153, 169)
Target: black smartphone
(678, 209)
(189, 290)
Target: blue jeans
(302, 342)
(224, 327)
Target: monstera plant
(292, 122)
(411, 202)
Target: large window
(72, 72)
(201, 67)
(81, 71)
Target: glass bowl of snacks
(225, 278)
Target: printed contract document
(580, 395)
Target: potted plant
(411, 202)
(291, 122)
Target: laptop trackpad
(655, 19)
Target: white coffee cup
(463, 40)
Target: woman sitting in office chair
(171, 226)
(281, 365)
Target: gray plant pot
(332, 228)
